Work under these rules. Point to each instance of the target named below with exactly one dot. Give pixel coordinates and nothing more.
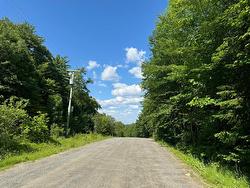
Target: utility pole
(71, 83)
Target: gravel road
(112, 163)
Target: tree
(22, 52)
(104, 124)
(197, 96)
(30, 72)
(84, 106)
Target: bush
(104, 124)
(12, 116)
(56, 131)
(37, 129)
(119, 129)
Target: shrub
(37, 129)
(12, 116)
(56, 131)
(104, 124)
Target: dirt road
(112, 163)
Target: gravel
(112, 163)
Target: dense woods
(34, 90)
(197, 82)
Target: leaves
(40, 83)
(197, 80)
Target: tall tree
(29, 71)
(197, 94)
(84, 106)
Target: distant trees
(107, 125)
(104, 124)
(197, 80)
(34, 88)
(130, 130)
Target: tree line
(107, 125)
(197, 81)
(34, 91)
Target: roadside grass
(46, 149)
(212, 174)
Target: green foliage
(16, 126)
(40, 150)
(37, 129)
(56, 131)
(12, 117)
(84, 106)
(119, 129)
(104, 124)
(31, 73)
(130, 131)
(213, 174)
(197, 92)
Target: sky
(107, 37)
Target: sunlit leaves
(197, 80)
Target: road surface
(112, 163)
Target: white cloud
(134, 55)
(102, 85)
(136, 71)
(126, 103)
(120, 66)
(124, 95)
(117, 101)
(112, 107)
(109, 73)
(122, 108)
(108, 111)
(121, 89)
(119, 85)
(94, 75)
(92, 65)
(134, 106)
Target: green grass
(47, 149)
(212, 174)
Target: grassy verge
(212, 174)
(46, 149)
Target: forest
(197, 81)
(34, 94)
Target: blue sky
(108, 37)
